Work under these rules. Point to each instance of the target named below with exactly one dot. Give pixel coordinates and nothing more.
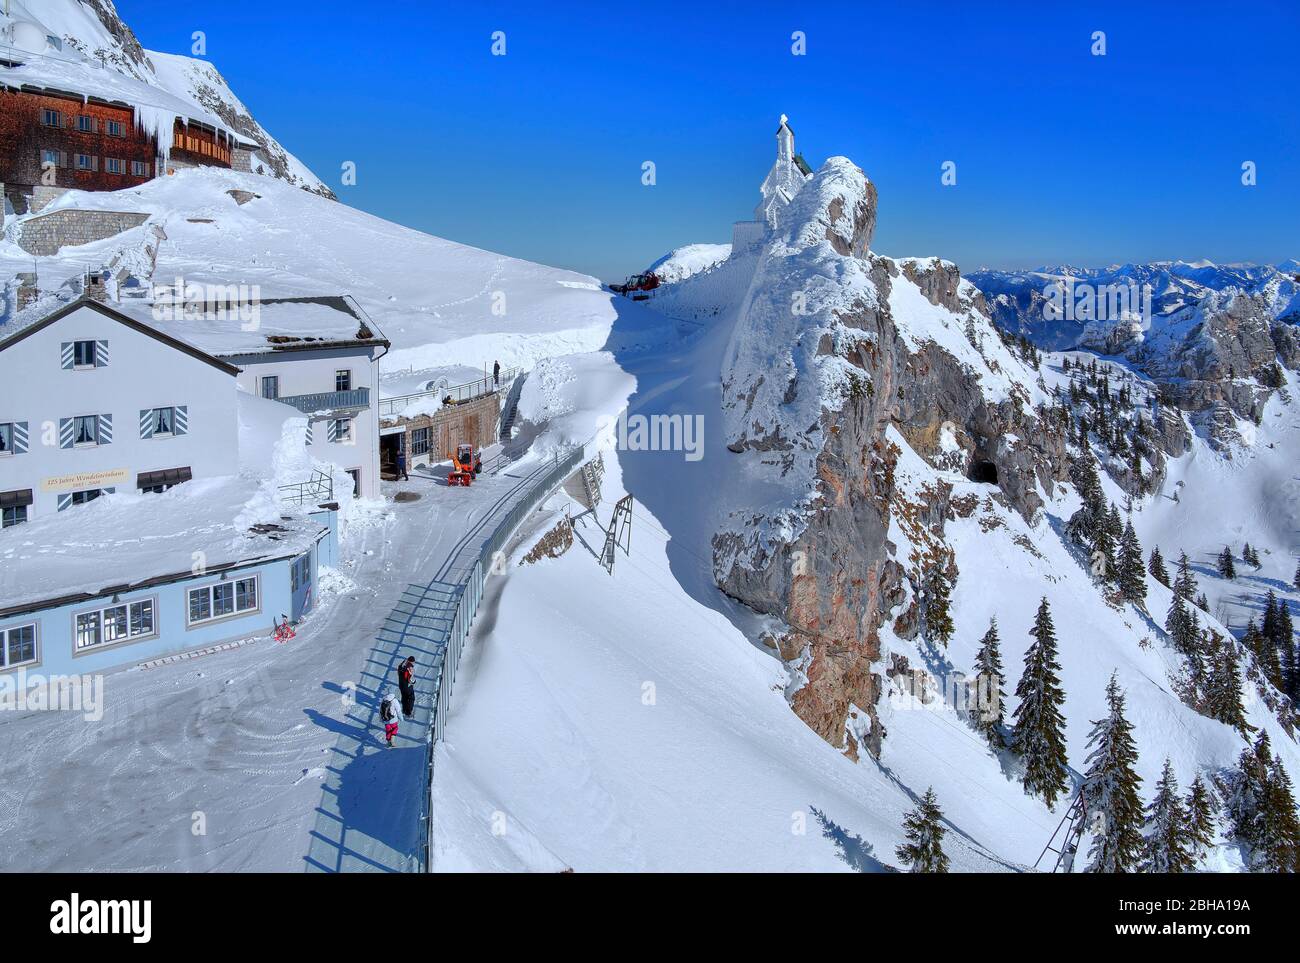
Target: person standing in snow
(388, 715)
(496, 373)
(401, 466)
(406, 682)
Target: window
(17, 645)
(51, 118)
(115, 129)
(86, 162)
(222, 599)
(86, 124)
(85, 430)
(420, 442)
(343, 379)
(83, 354)
(7, 438)
(140, 168)
(343, 431)
(271, 386)
(114, 165)
(50, 158)
(164, 421)
(89, 495)
(356, 481)
(14, 506)
(116, 623)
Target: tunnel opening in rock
(984, 471)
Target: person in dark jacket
(406, 682)
(401, 466)
(496, 373)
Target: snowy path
(369, 816)
(217, 763)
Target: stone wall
(47, 233)
(241, 160)
(471, 422)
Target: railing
(319, 488)
(540, 484)
(354, 400)
(458, 394)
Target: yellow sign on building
(86, 479)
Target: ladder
(619, 533)
(1070, 830)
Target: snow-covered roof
(156, 110)
(262, 325)
(127, 540)
(31, 322)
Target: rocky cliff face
(836, 348)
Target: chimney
(28, 292)
(94, 287)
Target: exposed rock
(828, 570)
(551, 545)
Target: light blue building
(167, 613)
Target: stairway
(510, 407)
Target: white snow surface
(688, 260)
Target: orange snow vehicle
(465, 464)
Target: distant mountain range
(1020, 301)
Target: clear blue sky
(1061, 156)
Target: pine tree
(1226, 567)
(1185, 582)
(1132, 577)
(1277, 849)
(1265, 654)
(1103, 550)
(1286, 652)
(923, 827)
(1203, 603)
(1038, 734)
(1110, 790)
(1248, 793)
(938, 605)
(1223, 698)
(989, 680)
(1167, 849)
(1250, 556)
(1181, 626)
(1157, 567)
(1201, 813)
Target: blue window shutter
(65, 500)
(146, 422)
(101, 354)
(181, 423)
(20, 437)
(66, 355)
(105, 429)
(309, 432)
(66, 433)
(332, 430)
